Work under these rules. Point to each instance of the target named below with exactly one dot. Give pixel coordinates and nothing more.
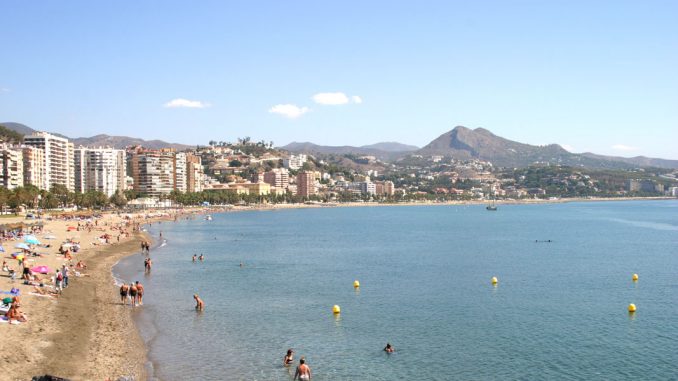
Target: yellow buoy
(635, 277)
(632, 307)
(356, 284)
(494, 280)
(336, 309)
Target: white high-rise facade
(58, 157)
(99, 169)
(11, 167)
(34, 166)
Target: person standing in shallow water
(124, 291)
(199, 304)
(303, 371)
(289, 358)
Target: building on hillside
(647, 186)
(295, 161)
(194, 173)
(259, 189)
(58, 156)
(673, 191)
(153, 171)
(368, 187)
(385, 188)
(34, 166)
(99, 169)
(278, 177)
(305, 184)
(180, 175)
(11, 167)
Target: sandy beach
(84, 334)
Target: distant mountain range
(384, 151)
(102, 140)
(464, 144)
(459, 143)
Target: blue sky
(592, 75)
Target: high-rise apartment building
(11, 167)
(58, 158)
(34, 166)
(180, 172)
(278, 177)
(153, 171)
(194, 173)
(305, 184)
(99, 169)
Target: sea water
(559, 310)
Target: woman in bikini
(289, 358)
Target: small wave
(647, 224)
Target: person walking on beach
(124, 292)
(303, 371)
(64, 273)
(140, 294)
(199, 304)
(133, 294)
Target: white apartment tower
(34, 166)
(58, 158)
(180, 172)
(11, 167)
(99, 169)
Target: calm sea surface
(559, 311)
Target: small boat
(492, 206)
(208, 218)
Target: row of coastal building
(44, 160)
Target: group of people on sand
(14, 314)
(134, 293)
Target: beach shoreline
(85, 333)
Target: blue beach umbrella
(2, 249)
(22, 246)
(33, 240)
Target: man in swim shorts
(133, 294)
(303, 371)
(124, 291)
(140, 293)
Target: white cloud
(4, 90)
(330, 98)
(356, 99)
(181, 102)
(289, 110)
(567, 147)
(622, 147)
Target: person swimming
(303, 371)
(194, 257)
(202, 257)
(389, 348)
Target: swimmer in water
(389, 348)
(194, 257)
(199, 304)
(289, 358)
(303, 371)
(202, 257)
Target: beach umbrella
(22, 246)
(41, 269)
(2, 249)
(33, 240)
